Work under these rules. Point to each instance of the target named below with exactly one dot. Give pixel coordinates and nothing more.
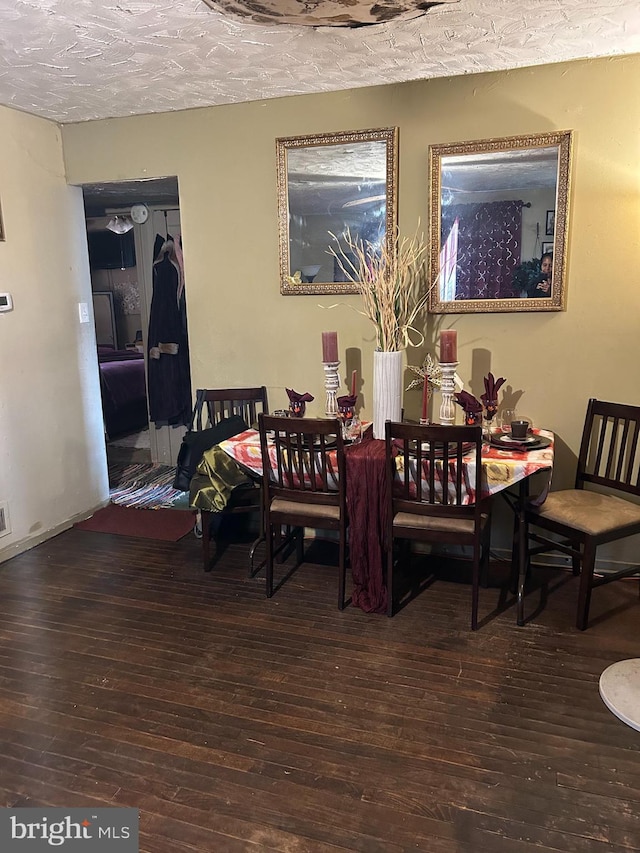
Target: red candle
(425, 397)
(353, 382)
(448, 346)
(330, 346)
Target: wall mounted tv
(109, 251)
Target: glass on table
(352, 429)
(506, 416)
(489, 427)
(297, 408)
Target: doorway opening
(129, 224)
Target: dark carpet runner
(167, 525)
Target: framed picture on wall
(551, 222)
(547, 248)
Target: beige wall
(243, 331)
(52, 457)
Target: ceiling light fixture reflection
(120, 224)
(324, 13)
(356, 202)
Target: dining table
(503, 467)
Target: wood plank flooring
(128, 677)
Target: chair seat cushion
(590, 512)
(319, 511)
(426, 522)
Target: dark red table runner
(367, 509)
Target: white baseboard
(557, 561)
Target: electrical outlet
(83, 312)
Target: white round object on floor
(620, 690)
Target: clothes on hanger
(168, 365)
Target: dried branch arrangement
(392, 284)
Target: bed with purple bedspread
(124, 391)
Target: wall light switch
(83, 311)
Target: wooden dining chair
(219, 404)
(585, 517)
(428, 486)
(303, 486)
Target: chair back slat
(631, 462)
(620, 462)
(303, 459)
(609, 448)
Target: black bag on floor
(196, 441)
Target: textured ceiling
(99, 198)
(74, 60)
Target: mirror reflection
(498, 221)
(328, 185)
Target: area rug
(166, 525)
(146, 486)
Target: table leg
(522, 547)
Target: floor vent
(4, 518)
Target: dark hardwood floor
(128, 677)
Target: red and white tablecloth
(501, 468)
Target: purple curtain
(489, 240)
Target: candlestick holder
(331, 384)
(447, 388)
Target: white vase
(387, 390)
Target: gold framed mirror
(328, 184)
(498, 224)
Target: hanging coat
(168, 364)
